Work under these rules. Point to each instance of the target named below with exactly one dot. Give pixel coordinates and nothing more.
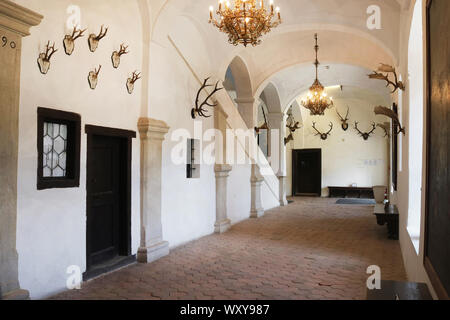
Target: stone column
(222, 170)
(15, 22)
(277, 123)
(222, 222)
(152, 246)
(256, 180)
(246, 107)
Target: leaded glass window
(58, 149)
(55, 150)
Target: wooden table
(388, 216)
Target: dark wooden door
(307, 172)
(437, 224)
(106, 197)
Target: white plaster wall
(239, 193)
(413, 260)
(51, 228)
(346, 157)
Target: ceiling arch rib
(335, 47)
(296, 81)
(271, 97)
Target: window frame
(192, 167)
(73, 122)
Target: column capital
(222, 169)
(245, 100)
(17, 18)
(152, 129)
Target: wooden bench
(351, 192)
(397, 290)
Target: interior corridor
(310, 249)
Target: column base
(18, 294)
(257, 213)
(153, 253)
(223, 226)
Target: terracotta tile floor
(311, 249)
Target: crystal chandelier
(316, 100)
(246, 22)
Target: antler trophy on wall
(115, 57)
(95, 39)
(293, 126)
(378, 75)
(386, 127)
(69, 40)
(365, 135)
(289, 138)
(44, 58)
(325, 135)
(93, 77)
(344, 120)
(380, 110)
(131, 81)
(199, 109)
(265, 126)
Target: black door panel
(307, 172)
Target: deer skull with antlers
(365, 135)
(69, 40)
(93, 78)
(344, 120)
(378, 75)
(289, 138)
(115, 57)
(323, 136)
(44, 58)
(130, 81)
(95, 39)
(199, 109)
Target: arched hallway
(178, 158)
(310, 249)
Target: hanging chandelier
(246, 22)
(316, 100)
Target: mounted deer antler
(344, 120)
(323, 136)
(199, 108)
(380, 76)
(93, 77)
(365, 135)
(288, 139)
(130, 81)
(380, 110)
(95, 39)
(115, 57)
(291, 124)
(69, 40)
(386, 127)
(44, 58)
